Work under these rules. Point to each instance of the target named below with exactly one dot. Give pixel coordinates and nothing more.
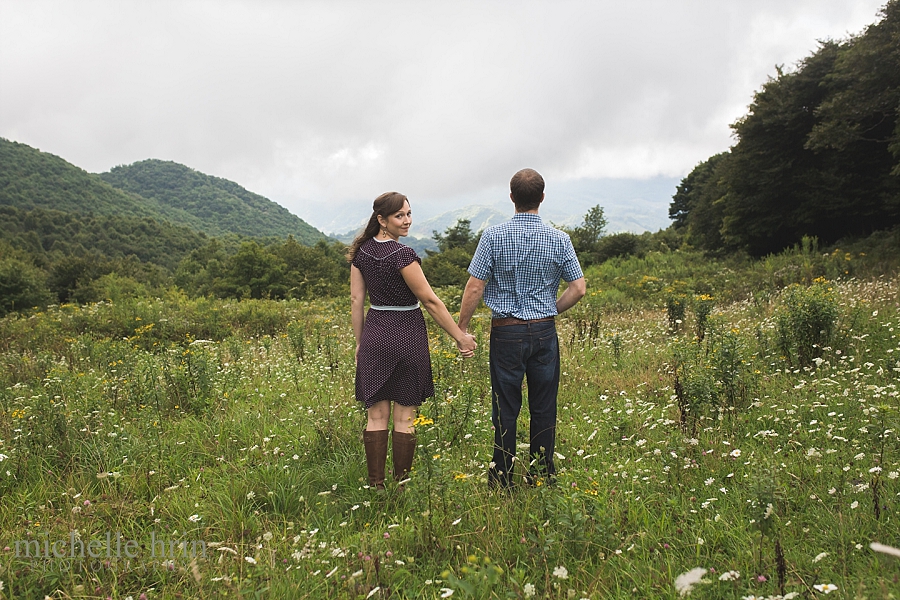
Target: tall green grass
(234, 424)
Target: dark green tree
(459, 235)
(586, 236)
(697, 207)
(22, 285)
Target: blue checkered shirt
(523, 261)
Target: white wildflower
(730, 576)
(446, 592)
(561, 572)
(734, 453)
(686, 581)
(826, 588)
(855, 504)
(194, 518)
(250, 560)
(374, 591)
(820, 556)
(529, 590)
(878, 548)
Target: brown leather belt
(514, 321)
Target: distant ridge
(164, 191)
(213, 205)
(32, 179)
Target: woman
(392, 360)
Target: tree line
(49, 256)
(818, 153)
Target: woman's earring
(384, 232)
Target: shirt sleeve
(482, 265)
(406, 256)
(571, 268)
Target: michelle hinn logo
(110, 549)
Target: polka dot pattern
(393, 361)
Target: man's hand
(467, 346)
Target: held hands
(467, 346)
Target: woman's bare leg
(379, 416)
(404, 417)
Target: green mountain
(50, 235)
(32, 179)
(164, 191)
(210, 204)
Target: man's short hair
(527, 188)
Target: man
(517, 268)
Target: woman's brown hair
(385, 205)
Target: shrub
(806, 321)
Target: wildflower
(826, 588)
(730, 576)
(422, 420)
(376, 589)
(528, 590)
(685, 582)
(446, 592)
(709, 481)
(250, 560)
(855, 504)
(820, 556)
(878, 548)
(735, 453)
(194, 518)
(561, 572)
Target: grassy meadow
(739, 418)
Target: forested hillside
(51, 234)
(818, 153)
(30, 179)
(210, 204)
(68, 236)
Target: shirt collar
(527, 216)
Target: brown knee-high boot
(404, 449)
(376, 455)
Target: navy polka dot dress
(393, 361)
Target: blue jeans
(518, 351)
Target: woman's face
(397, 224)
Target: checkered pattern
(523, 261)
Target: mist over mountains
(634, 205)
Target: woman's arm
(415, 279)
(357, 303)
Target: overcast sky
(323, 105)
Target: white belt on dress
(413, 307)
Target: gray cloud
(318, 104)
